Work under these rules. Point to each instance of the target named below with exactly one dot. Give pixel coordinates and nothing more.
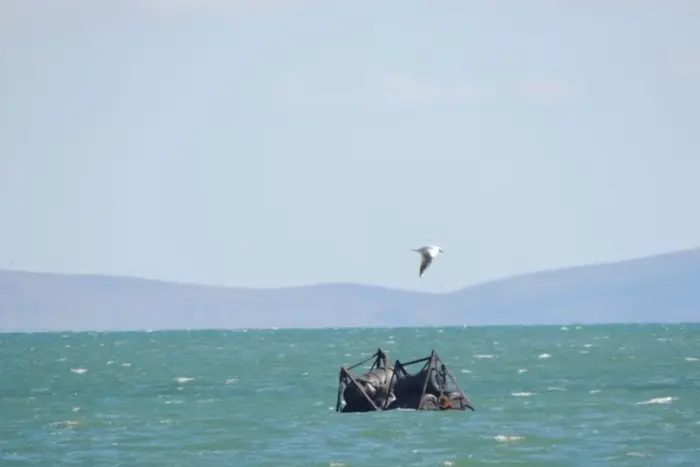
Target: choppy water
(626, 395)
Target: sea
(578, 395)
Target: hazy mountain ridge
(660, 288)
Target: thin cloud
(215, 6)
(685, 62)
(545, 89)
(405, 89)
(18, 14)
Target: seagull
(428, 253)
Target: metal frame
(431, 364)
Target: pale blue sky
(278, 143)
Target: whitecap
(231, 381)
(659, 400)
(522, 370)
(64, 423)
(483, 356)
(638, 454)
(505, 439)
(183, 379)
(594, 391)
(126, 364)
(523, 394)
(544, 355)
(79, 371)
(563, 328)
(588, 345)
(555, 388)
(464, 370)
(691, 359)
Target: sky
(276, 143)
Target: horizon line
(572, 324)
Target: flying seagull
(428, 253)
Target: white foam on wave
(564, 328)
(464, 370)
(556, 388)
(659, 400)
(79, 371)
(126, 364)
(183, 379)
(594, 391)
(638, 454)
(522, 370)
(544, 355)
(523, 394)
(588, 345)
(691, 359)
(64, 424)
(507, 439)
(231, 381)
(484, 356)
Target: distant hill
(661, 288)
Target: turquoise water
(625, 395)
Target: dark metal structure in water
(387, 387)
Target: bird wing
(425, 262)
